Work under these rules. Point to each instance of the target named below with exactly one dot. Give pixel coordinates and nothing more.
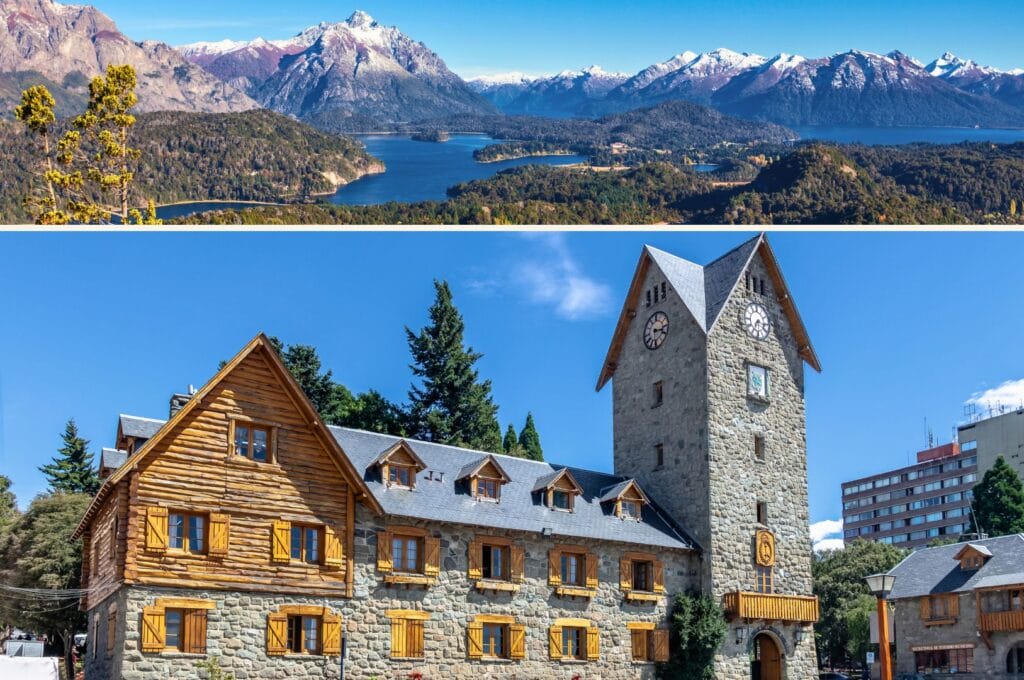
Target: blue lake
(879, 136)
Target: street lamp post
(880, 586)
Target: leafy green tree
(999, 500)
(92, 160)
(529, 440)
(511, 442)
(451, 405)
(72, 468)
(698, 627)
(8, 505)
(839, 584)
(39, 554)
(372, 412)
(857, 620)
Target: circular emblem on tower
(656, 330)
(765, 551)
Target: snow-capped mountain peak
(509, 78)
(360, 19)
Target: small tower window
(663, 290)
(762, 512)
(659, 393)
(759, 446)
(648, 298)
(659, 455)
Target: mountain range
(359, 74)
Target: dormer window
(559, 490)
(972, 556)
(484, 479)
(399, 466)
(628, 498)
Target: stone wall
(237, 626)
(910, 631)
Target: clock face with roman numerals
(756, 321)
(656, 330)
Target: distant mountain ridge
(70, 44)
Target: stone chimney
(179, 400)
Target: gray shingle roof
(111, 459)
(136, 426)
(705, 290)
(935, 570)
(520, 508)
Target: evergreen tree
(698, 628)
(999, 501)
(304, 364)
(72, 469)
(529, 440)
(511, 442)
(451, 405)
(8, 506)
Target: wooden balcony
(996, 622)
(771, 607)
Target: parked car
(832, 675)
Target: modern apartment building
(912, 506)
(999, 435)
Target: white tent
(28, 668)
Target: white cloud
(827, 535)
(1009, 395)
(550, 275)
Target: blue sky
(539, 36)
(907, 326)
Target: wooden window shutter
(220, 526)
(399, 638)
(414, 638)
(156, 529)
(555, 642)
(194, 625)
(331, 626)
(659, 638)
(518, 566)
(277, 634)
(153, 629)
(432, 556)
(592, 564)
(954, 606)
(593, 643)
(659, 576)
(517, 641)
(626, 577)
(638, 643)
(334, 555)
(475, 642)
(281, 541)
(384, 551)
(555, 568)
(475, 560)
(926, 608)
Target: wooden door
(769, 659)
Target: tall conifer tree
(999, 501)
(72, 469)
(451, 405)
(529, 440)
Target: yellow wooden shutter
(555, 642)
(331, 624)
(156, 529)
(194, 625)
(475, 560)
(277, 634)
(281, 541)
(517, 641)
(334, 554)
(638, 644)
(954, 606)
(518, 559)
(384, 551)
(414, 638)
(555, 567)
(398, 638)
(153, 629)
(592, 564)
(475, 640)
(926, 608)
(626, 575)
(660, 643)
(220, 525)
(432, 556)
(659, 576)
(593, 643)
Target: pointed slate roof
(929, 571)
(705, 291)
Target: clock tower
(707, 370)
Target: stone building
(959, 610)
(245, 529)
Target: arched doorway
(767, 662)
(1015, 660)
